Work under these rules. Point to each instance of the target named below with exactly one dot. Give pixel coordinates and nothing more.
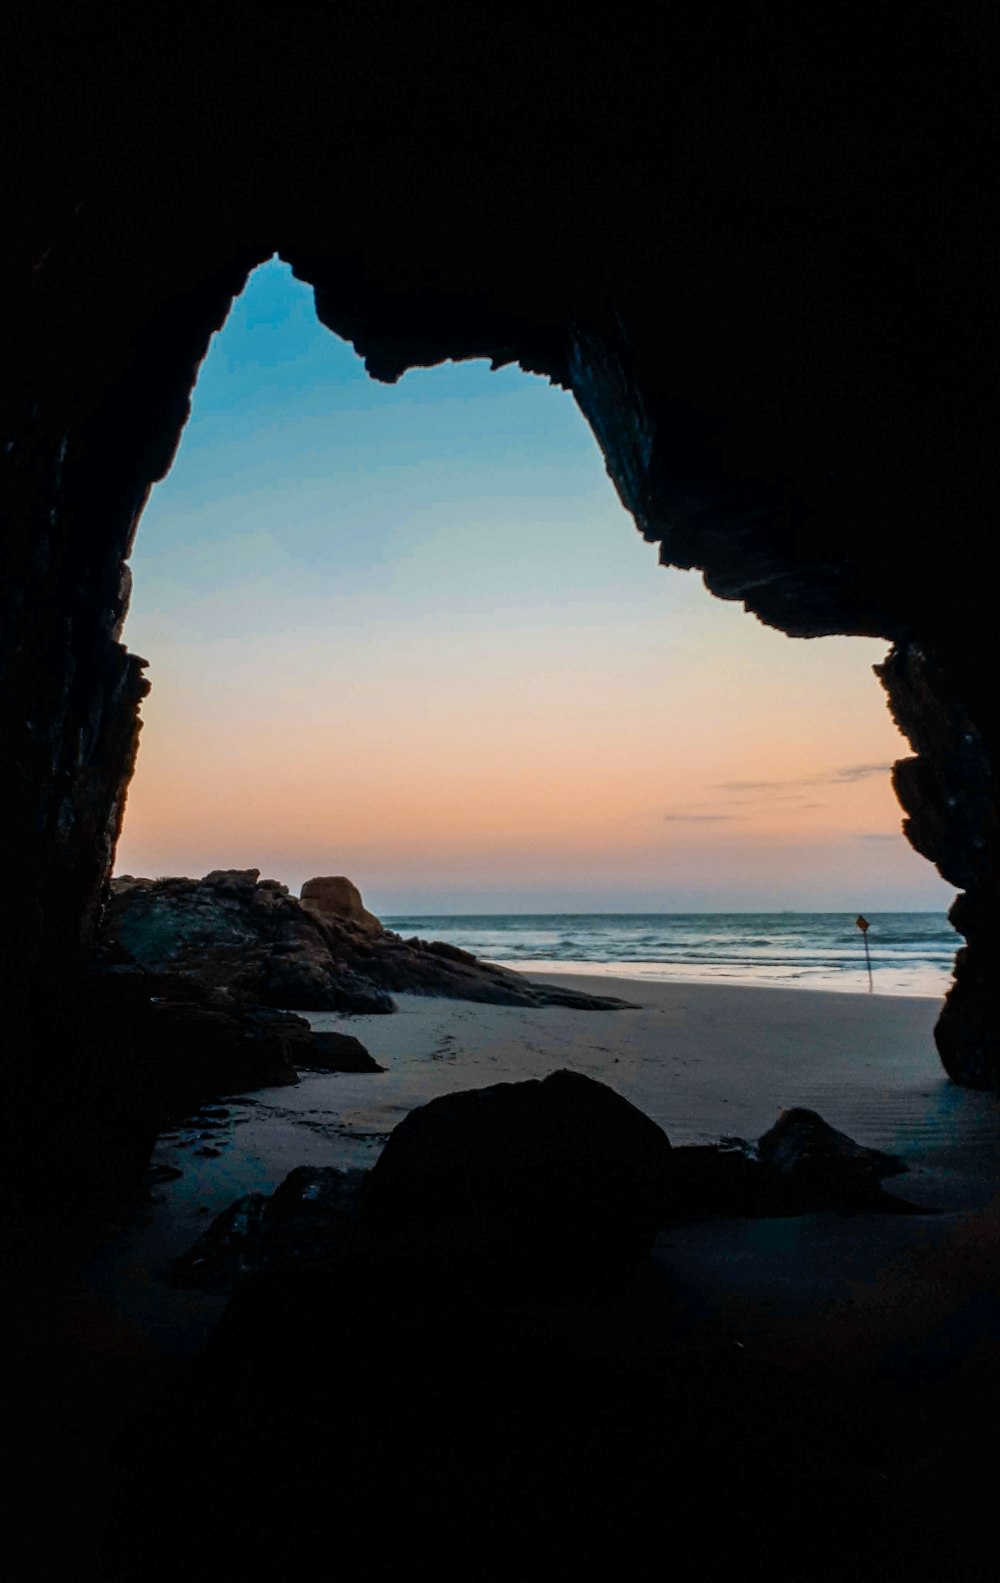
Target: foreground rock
(800, 1165)
(310, 1215)
(199, 1052)
(240, 936)
(337, 1052)
(552, 1185)
(815, 1163)
(538, 1186)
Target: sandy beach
(704, 1062)
(873, 1302)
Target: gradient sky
(407, 633)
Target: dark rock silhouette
(338, 1052)
(803, 1149)
(498, 1185)
(799, 1165)
(543, 1185)
(311, 1215)
(200, 1051)
(248, 939)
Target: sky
(408, 633)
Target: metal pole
(868, 962)
(863, 925)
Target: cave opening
(408, 632)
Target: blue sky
(408, 633)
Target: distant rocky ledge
(246, 941)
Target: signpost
(864, 926)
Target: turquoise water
(911, 952)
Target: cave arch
(722, 249)
(317, 422)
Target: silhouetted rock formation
(552, 1185)
(201, 1051)
(948, 792)
(805, 1150)
(191, 1051)
(309, 1216)
(338, 1052)
(248, 939)
(799, 1165)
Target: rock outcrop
(337, 900)
(248, 940)
(238, 935)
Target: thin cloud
(701, 818)
(772, 796)
(859, 772)
(876, 835)
(845, 775)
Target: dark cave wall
(747, 277)
(103, 403)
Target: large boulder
(338, 898)
(546, 1185)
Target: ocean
(911, 952)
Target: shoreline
(711, 977)
(930, 985)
